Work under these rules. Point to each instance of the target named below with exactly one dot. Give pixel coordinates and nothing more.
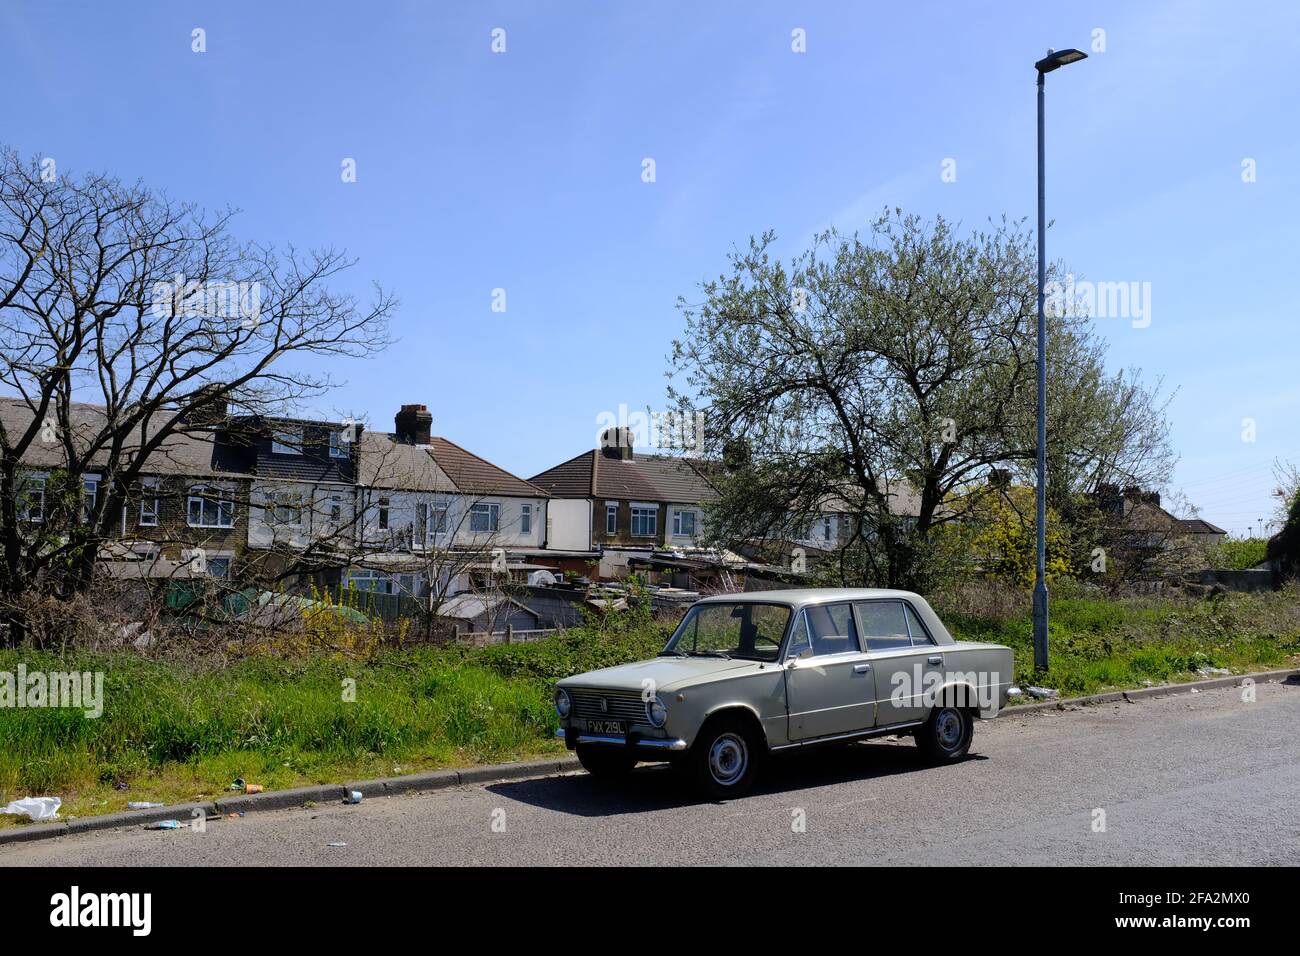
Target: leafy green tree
(892, 376)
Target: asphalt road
(1193, 779)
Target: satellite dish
(541, 578)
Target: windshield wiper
(722, 654)
(672, 652)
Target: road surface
(1192, 779)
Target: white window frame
(493, 511)
(643, 507)
(279, 500)
(525, 519)
(210, 495)
(611, 517)
(294, 444)
(338, 447)
(383, 513)
(30, 481)
(89, 495)
(677, 522)
(372, 576)
(436, 513)
(148, 503)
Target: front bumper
(632, 740)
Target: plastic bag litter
(38, 808)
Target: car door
(908, 665)
(829, 686)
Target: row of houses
(392, 512)
(407, 512)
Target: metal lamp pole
(1054, 60)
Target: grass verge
(174, 732)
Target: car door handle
(935, 659)
(861, 668)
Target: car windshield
(734, 629)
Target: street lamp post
(1054, 60)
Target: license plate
(605, 726)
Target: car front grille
(620, 705)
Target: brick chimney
(208, 407)
(414, 425)
(616, 443)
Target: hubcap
(728, 758)
(948, 726)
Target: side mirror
(803, 655)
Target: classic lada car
(748, 675)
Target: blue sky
(522, 171)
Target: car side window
(831, 629)
(798, 638)
(883, 625)
(920, 636)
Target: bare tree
(114, 294)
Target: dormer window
(286, 441)
(338, 447)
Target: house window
(338, 447)
(364, 579)
(209, 508)
(89, 496)
(526, 519)
(149, 503)
(645, 521)
(383, 514)
(435, 518)
(218, 567)
(684, 524)
(31, 500)
(286, 441)
(381, 582)
(336, 510)
(283, 509)
(611, 517)
(484, 518)
(826, 528)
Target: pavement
(1203, 778)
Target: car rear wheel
(946, 735)
(601, 760)
(724, 758)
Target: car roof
(803, 597)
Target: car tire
(946, 735)
(725, 756)
(602, 760)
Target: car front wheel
(724, 758)
(601, 760)
(946, 735)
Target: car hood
(668, 673)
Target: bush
(1237, 555)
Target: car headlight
(562, 702)
(656, 712)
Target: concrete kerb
(1162, 690)
(443, 779)
(296, 797)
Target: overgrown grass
(174, 732)
(1098, 645)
